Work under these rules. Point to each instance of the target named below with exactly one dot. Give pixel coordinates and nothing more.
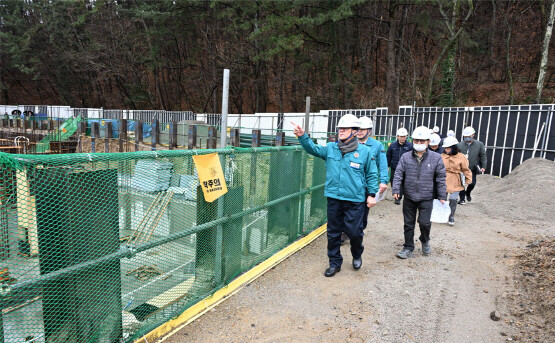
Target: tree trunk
(448, 77)
(545, 50)
(392, 97)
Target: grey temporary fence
(334, 115)
(512, 134)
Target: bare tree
(455, 26)
(545, 50)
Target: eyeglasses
(419, 141)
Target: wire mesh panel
(106, 247)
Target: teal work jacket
(381, 159)
(348, 177)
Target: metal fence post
(122, 135)
(94, 134)
(280, 139)
(82, 133)
(212, 136)
(173, 135)
(155, 134)
(108, 135)
(223, 138)
(138, 134)
(192, 137)
(235, 137)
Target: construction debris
(5, 276)
(145, 272)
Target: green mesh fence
(106, 247)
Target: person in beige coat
(456, 169)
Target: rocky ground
(490, 278)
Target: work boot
(426, 248)
(357, 263)
(405, 253)
(331, 271)
(453, 206)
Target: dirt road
(445, 297)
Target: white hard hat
(435, 139)
(450, 133)
(348, 121)
(449, 141)
(435, 129)
(421, 132)
(365, 123)
(468, 131)
(402, 132)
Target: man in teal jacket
(378, 150)
(351, 186)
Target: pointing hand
(298, 130)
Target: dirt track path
(446, 297)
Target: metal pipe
(538, 140)
(307, 115)
(225, 99)
(69, 159)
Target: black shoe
(461, 202)
(426, 249)
(405, 253)
(397, 202)
(331, 271)
(357, 263)
(468, 198)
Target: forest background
(162, 54)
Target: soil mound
(528, 193)
(534, 305)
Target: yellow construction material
(26, 213)
(203, 306)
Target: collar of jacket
(415, 155)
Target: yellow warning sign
(211, 176)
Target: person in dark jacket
(435, 143)
(475, 151)
(421, 176)
(394, 152)
(436, 131)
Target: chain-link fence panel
(106, 247)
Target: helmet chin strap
(366, 135)
(352, 134)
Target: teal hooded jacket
(348, 177)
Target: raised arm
(308, 144)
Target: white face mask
(419, 147)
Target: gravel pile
(528, 193)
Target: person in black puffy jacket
(394, 152)
(421, 176)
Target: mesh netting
(106, 247)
